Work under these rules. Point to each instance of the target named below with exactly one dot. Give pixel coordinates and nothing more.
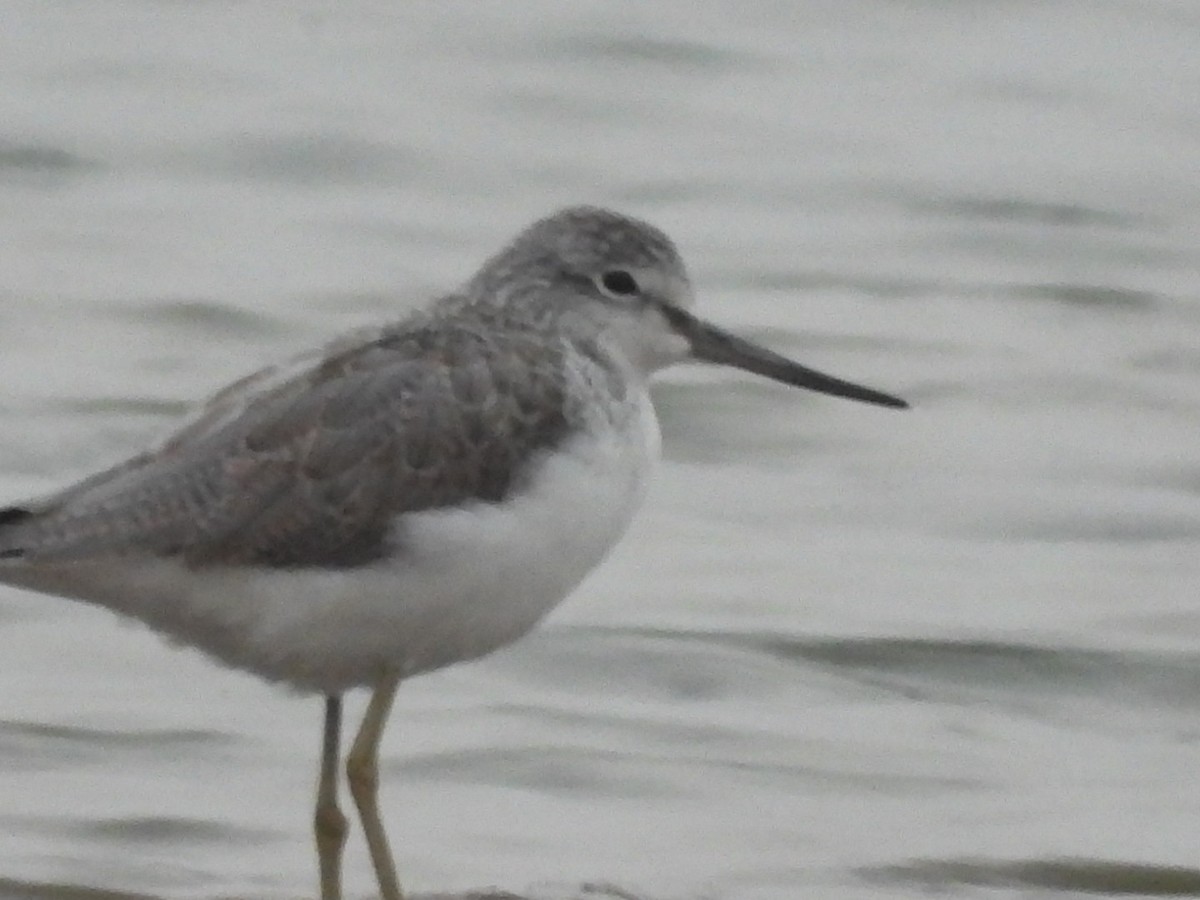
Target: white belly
(462, 583)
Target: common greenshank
(405, 498)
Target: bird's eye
(618, 283)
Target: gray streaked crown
(568, 249)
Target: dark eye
(618, 283)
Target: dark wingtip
(10, 516)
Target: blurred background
(844, 651)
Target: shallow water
(843, 651)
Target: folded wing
(315, 468)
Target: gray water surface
(843, 652)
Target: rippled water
(843, 652)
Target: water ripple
(1065, 875)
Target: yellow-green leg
(362, 771)
(329, 823)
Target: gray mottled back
(433, 413)
(311, 466)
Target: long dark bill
(713, 345)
